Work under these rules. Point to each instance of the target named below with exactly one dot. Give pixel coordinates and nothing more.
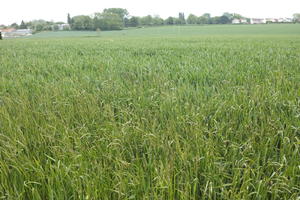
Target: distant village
(262, 20)
(15, 32)
(26, 30)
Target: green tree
(29, 24)
(40, 25)
(206, 15)
(228, 15)
(206, 19)
(14, 25)
(202, 20)
(215, 20)
(55, 27)
(48, 26)
(2, 26)
(121, 12)
(134, 21)
(23, 25)
(126, 22)
(224, 20)
(82, 22)
(237, 16)
(69, 19)
(170, 21)
(108, 21)
(192, 19)
(177, 21)
(147, 20)
(296, 17)
(157, 21)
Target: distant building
(244, 21)
(7, 31)
(272, 20)
(23, 32)
(239, 21)
(236, 21)
(257, 21)
(288, 20)
(262, 20)
(11, 32)
(62, 27)
(279, 20)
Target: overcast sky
(17, 10)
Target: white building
(288, 20)
(62, 27)
(239, 21)
(23, 32)
(257, 21)
(244, 21)
(236, 21)
(11, 32)
(279, 20)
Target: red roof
(7, 30)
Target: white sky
(17, 10)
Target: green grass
(152, 114)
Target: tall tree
(108, 21)
(121, 12)
(192, 19)
(134, 21)
(215, 20)
(157, 20)
(82, 22)
(23, 25)
(126, 22)
(206, 18)
(202, 20)
(224, 20)
(147, 20)
(237, 16)
(170, 21)
(206, 15)
(69, 19)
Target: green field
(195, 112)
(185, 31)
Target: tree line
(119, 18)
